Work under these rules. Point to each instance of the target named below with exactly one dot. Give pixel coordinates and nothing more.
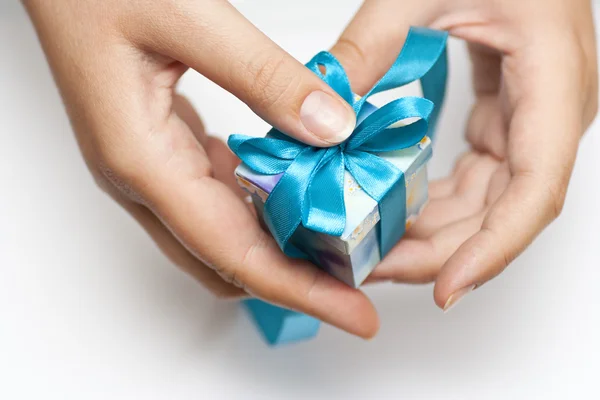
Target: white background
(90, 309)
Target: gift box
(351, 256)
(346, 206)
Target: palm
(200, 150)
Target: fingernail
(327, 117)
(457, 296)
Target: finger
(371, 42)
(216, 227)
(212, 37)
(223, 165)
(469, 198)
(441, 188)
(542, 152)
(151, 155)
(488, 124)
(486, 69)
(419, 260)
(486, 130)
(440, 213)
(464, 163)
(447, 186)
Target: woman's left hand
(535, 79)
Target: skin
(535, 79)
(117, 64)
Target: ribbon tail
(434, 89)
(324, 209)
(283, 208)
(279, 325)
(423, 58)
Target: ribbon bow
(310, 190)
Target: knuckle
(555, 198)
(257, 244)
(111, 174)
(273, 82)
(102, 181)
(354, 57)
(251, 253)
(103, 175)
(122, 173)
(236, 274)
(504, 256)
(318, 281)
(138, 164)
(351, 51)
(551, 192)
(110, 156)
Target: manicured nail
(327, 117)
(457, 296)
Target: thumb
(213, 38)
(371, 42)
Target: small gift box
(345, 207)
(351, 256)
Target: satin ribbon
(310, 190)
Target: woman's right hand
(116, 64)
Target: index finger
(213, 38)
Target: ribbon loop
(372, 173)
(335, 75)
(311, 189)
(265, 155)
(423, 50)
(377, 130)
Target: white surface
(89, 308)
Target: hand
(535, 80)
(116, 64)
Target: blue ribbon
(310, 191)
